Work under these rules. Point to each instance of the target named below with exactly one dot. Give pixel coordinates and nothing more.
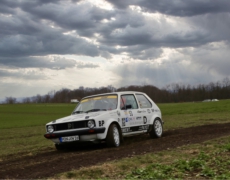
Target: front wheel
(113, 136)
(157, 129)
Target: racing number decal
(130, 113)
(101, 123)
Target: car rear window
(143, 101)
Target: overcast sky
(47, 45)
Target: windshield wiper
(77, 112)
(95, 110)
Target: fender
(107, 123)
(151, 122)
(154, 117)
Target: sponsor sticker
(111, 97)
(126, 130)
(123, 121)
(130, 113)
(85, 100)
(143, 111)
(138, 118)
(101, 123)
(145, 127)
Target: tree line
(170, 93)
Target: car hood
(84, 116)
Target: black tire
(113, 136)
(60, 147)
(157, 129)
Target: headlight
(91, 124)
(50, 129)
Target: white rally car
(107, 117)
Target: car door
(131, 120)
(145, 110)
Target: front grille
(70, 125)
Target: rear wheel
(157, 129)
(113, 136)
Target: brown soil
(47, 164)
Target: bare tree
(171, 93)
(10, 100)
(26, 100)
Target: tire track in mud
(47, 164)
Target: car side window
(143, 101)
(128, 102)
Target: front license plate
(69, 139)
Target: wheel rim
(116, 136)
(158, 127)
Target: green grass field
(27, 115)
(180, 115)
(22, 127)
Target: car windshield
(98, 103)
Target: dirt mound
(48, 164)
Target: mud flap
(150, 128)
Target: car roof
(117, 93)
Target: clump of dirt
(47, 164)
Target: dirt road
(45, 165)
